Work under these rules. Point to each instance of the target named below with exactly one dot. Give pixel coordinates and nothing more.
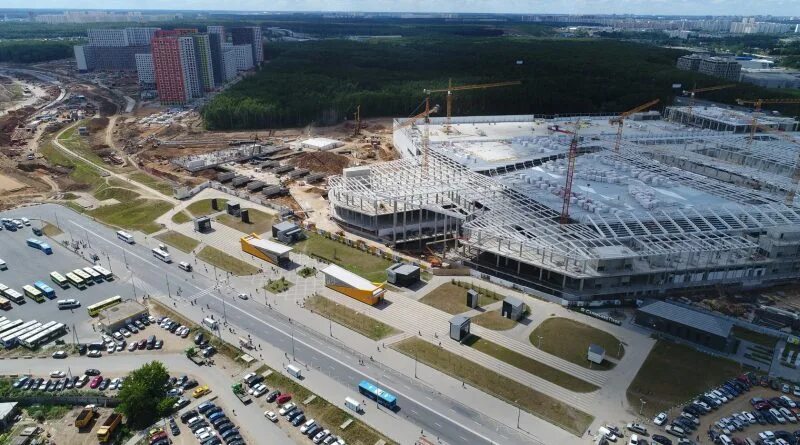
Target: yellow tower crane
(620, 120)
(450, 89)
(691, 93)
(757, 103)
(425, 134)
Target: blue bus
(45, 289)
(373, 392)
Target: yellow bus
(33, 293)
(97, 307)
(76, 280)
(59, 280)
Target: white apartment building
(107, 37)
(191, 78)
(145, 69)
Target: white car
(309, 423)
(125, 332)
(242, 296)
(114, 384)
(634, 440)
(660, 419)
(288, 406)
(796, 391)
(271, 416)
(111, 348)
(118, 335)
(25, 221)
(256, 388)
(202, 431)
(57, 374)
(767, 436)
(788, 401)
(94, 354)
(321, 435)
(60, 354)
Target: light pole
(293, 356)
(109, 263)
(169, 292)
(134, 287)
(619, 350)
(415, 365)
(540, 341)
(641, 407)
(125, 258)
(519, 412)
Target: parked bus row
(40, 291)
(30, 334)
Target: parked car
(271, 416)
(663, 440)
(660, 419)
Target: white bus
(105, 273)
(87, 279)
(68, 304)
(161, 255)
(93, 273)
(59, 279)
(76, 280)
(51, 333)
(125, 236)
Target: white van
(607, 433)
(210, 323)
(3, 265)
(352, 404)
(294, 370)
(185, 266)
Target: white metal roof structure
(668, 222)
(269, 246)
(321, 143)
(355, 281)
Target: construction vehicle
(620, 120)
(691, 93)
(572, 154)
(425, 134)
(450, 89)
(241, 393)
(108, 427)
(85, 416)
(433, 258)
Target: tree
(143, 398)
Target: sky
(671, 7)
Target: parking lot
(27, 265)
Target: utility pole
(641, 407)
(134, 288)
(519, 412)
(293, 356)
(540, 341)
(415, 365)
(169, 292)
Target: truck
(85, 416)
(295, 371)
(195, 357)
(241, 393)
(108, 427)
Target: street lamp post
(169, 292)
(641, 407)
(293, 356)
(619, 350)
(519, 412)
(415, 365)
(540, 341)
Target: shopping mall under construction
(686, 203)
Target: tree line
(321, 82)
(30, 51)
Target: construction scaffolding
(641, 224)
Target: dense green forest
(30, 51)
(321, 82)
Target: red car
(142, 343)
(95, 382)
(283, 398)
(160, 436)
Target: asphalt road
(434, 413)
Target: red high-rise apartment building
(167, 65)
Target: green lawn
(79, 144)
(138, 214)
(452, 299)
(755, 337)
(81, 172)
(51, 230)
(570, 340)
(279, 285)
(554, 411)
(674, 373)
(493, 320)
(120, 194)
(181, 217)
(530, 365)
(222, 260)
(260, 222)
(160, 185)
(203, 207)
(356, 321)
(367, 265)
(178, 241)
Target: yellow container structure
(352, 285)
(275, 253)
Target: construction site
(600, 208)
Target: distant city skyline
(642, 7)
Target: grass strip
(351, 319)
